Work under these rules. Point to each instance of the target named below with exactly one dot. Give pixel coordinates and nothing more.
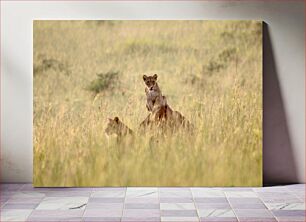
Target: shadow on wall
(278, 160)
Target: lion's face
(113, 126)
(150, 81)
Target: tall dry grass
(210, 71)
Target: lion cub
(115, 126)
(153, 91)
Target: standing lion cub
(153, 91)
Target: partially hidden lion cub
(152, 91)
(115, 126)
(161, 110)
(162, 114)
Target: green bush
(104, 81)
(50, 64)
(221, 62)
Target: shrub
(221, 62)
(51, 64)
(104, 81)
(227, 55)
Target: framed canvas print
(147, 103)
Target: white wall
(284, 98)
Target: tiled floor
(22, 202)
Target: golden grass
(210, 71)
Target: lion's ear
(144, 77)
(109, 119)
(155, 76)
(116, 119)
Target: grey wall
(284, 81)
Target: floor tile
(275, 194)
(179, 219)
(24, 200)
(299, 194)
(55, 219)
(245, 200)
(144, 213)
(218, 219)
(184, 189)
(110, 194)
(115, 206)
(3, 200)
(105, 200)
(274, 197)
(101, 219)
(175, 193)
(248, 206)
(207, 192)
(285, 206)
(15, 214)
(10, 186)
(2, 204)
(68, 193)
(210, 200)
(240, 194)
(280, 200)
(278, 189)
(253, 213)
(20, 206)
(28, 194)
(103, 213)
(62, 203)
(142, 200)
(237, 188)
(289, 213)
(141, 206)
(177, 206)
(57, 213)
(140, 219)
(216, 213)
(179, 213)
(225, 205)
(135, 192)
(255, 219)
(108, 189)
(291, 219)
(301, 187)
(176, 200)
(29, 187)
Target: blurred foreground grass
(210, 71)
